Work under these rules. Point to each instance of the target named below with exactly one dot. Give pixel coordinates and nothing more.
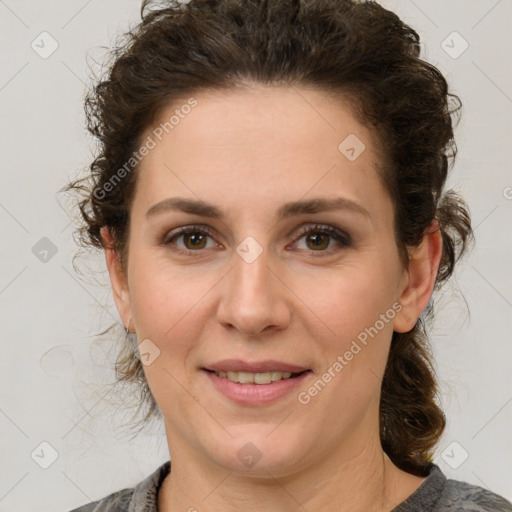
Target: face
(292, 267)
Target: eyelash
(341, 237)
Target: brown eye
(193, 240)
(196, 240)
(318, 238)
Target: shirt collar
(145, 494)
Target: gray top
(435, 494)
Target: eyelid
(325, 228)
(343, 238)
(192, 228)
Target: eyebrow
(294, 208)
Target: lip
(237, 365)
(255, 394)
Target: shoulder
(141, 497)
(460, 496)
(115, 502)
(439, 494)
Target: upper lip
(237, 365)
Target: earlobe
(117, 277)
(420, 279)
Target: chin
(257, 450)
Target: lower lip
(256, 394)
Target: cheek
(354, 326)
(168, 300)
(168, 307)
(349, 299)
(171, 304)
(168, 304)
(359, 311)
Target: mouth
(268, 383)
(260, 378)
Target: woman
(270, 198)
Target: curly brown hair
(354, 49)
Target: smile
(256, 378)
(256, 389)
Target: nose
(254, 299)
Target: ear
(420, 278)
(117, 277)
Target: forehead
(257, 144)
(290, 116)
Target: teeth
(256, 378)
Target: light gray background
(52, 370)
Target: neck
(366, 482)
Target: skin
(249, 152)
